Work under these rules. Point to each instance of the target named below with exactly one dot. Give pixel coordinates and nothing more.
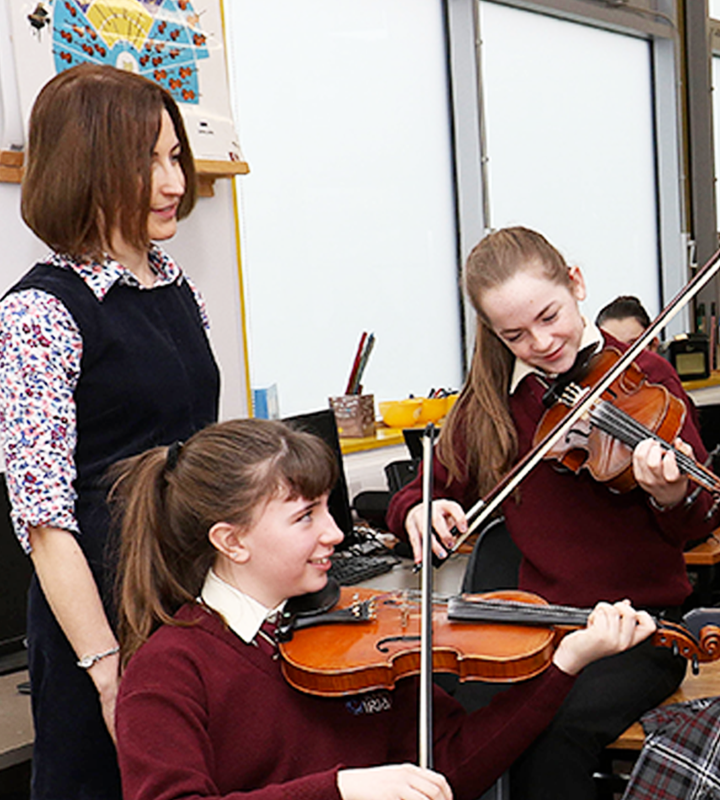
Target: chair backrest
(494, 562)
(400, 473)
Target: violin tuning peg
(675, 649)
(695, 664)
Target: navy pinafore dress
(148, 377)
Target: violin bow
(425, 750)
(487, 505)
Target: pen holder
(354, 415)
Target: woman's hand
(610, 629)
(394, 782)
(104, 675)
(445, 515)
(657, 472)
(71, 591)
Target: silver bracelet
(88, 661)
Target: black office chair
(372, 505)
(494, 562)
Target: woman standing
(104, 352)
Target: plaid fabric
(681, 754)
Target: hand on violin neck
(446, 514)
(656, 471)
(610, 630)
(392, 782)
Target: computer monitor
(322, 423)
(15, 573)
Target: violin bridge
(404, 611)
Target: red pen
(356, 363)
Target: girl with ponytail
(216, 535)
(579, 541)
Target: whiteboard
(570, 141)
(348, 212)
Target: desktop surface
(16, 728)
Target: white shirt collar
(101, 276)
(243, 614)
(521, 369)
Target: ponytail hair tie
(173, 453)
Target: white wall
(570, 146)
(20, 247)
(348, 212)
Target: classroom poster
(177, 43)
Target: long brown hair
(168, 499)
(88, 166)
(481, 416)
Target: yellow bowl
(450, 400)
(401, 413)
(433, 409)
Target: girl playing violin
(579, 541)
(216, 536)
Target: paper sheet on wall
(177, 43)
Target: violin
(487, 505)
(369, 639)
(630, 410)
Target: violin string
(500, 607)
(617, 422)
(686, 463)
(414, 595)
(517, 611)
(630, 431)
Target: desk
(703, 558)
(706, 684)
(16, 728)
(446, 579)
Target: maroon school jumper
(580, 541)
(203, 714)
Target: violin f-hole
(382, 644)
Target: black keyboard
(349, 569)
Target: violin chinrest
(315, 602)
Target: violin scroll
(697, 639)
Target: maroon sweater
(201, 714)
(580, 541)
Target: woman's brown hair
(481, 416)
(167, 499)
(88, 163)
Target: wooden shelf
(383, 437)
(11, 170)
(11, 166)
(703, 383)
(209, 171)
